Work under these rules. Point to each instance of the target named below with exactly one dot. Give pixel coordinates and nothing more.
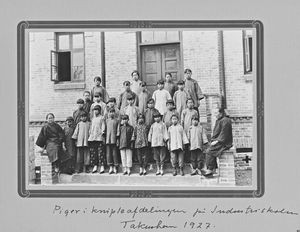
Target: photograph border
(23, 191)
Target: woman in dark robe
(221, 140)
(51, 138)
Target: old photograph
(168, 108)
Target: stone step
(136, 180)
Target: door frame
(139, 44)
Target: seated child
(177, 141)
(160, 97)
(125, 143)
(112, 124)
(81, 135)
(140, 136)
(170, 112)
(197, 139)
(158, 137)
(96, 140)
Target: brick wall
(42, 94)
(200, 54)
(120, 60)
(239, 91)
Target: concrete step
(136, 180)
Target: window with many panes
(248, 52)
(67, 62)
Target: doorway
(157, 60)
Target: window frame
(247, 54)
(72, 51)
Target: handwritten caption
(134, 218)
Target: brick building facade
(221, 62)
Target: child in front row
(96, 140)
(141, 143)
(81, 135)
(112, 124)
(158, 137)
(125, 143)
(176, 144)
(197, 139)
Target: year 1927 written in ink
(160, 224)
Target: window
(159, 36)
(67, 62)
(248, 53)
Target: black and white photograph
(157, 108)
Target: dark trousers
(112, 155)
(159, 154)
(83, 157)
(97, 153)
(197, 159)
(143, 156)
(177, 158)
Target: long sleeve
(105, 95)
(165, 131)
(182, 118)
(120, 101)
(75, 134)
(225, 132)
(198, 91)
(41, 140)
(150, 134)
(204, 136)
(184, 137)
(154, 96)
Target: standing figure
(112, 104)
(135, 82)
(149, 112)
(77, 113)
(177, 142)
(158, 137)
(161, 96)
(96, 140)
(125, 143)
(170, 112)
(131, 110)
(97, 102)
(87, 101)
(170, 86)
(193, 88)
(140, 137)
(123, 96)
(70, 144)
(180, 97)
(81, 135)
(99, 89)
(112, 124)
(143, 97)
(198, 139)
(51, 138)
